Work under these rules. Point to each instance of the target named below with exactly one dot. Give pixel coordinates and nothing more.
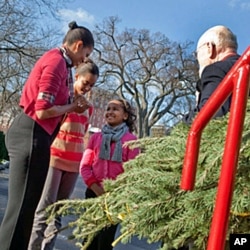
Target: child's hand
(97, 189)
(81, 104)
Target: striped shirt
(67, 148)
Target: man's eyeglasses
(196, 51)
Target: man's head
(214, 45)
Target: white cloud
(233, 3)
(244, 5)
(81, 16)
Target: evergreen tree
(147, 201)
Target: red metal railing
(236, 82)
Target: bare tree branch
(23, 38)
(157, 75)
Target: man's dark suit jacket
(211, 77)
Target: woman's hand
(79, 105)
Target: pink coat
(95, 170)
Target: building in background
(6, 119)
(158, 131)
(9, 109)
(100, 98)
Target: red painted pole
(219, 224)
(204, 116)
(193, 143)
(236, 81)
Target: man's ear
(212, 50)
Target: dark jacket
(211, 77)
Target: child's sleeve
(132, 153)
(86, 164)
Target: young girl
(66, 153)
(104, 158)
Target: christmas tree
(147, 201)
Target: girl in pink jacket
(104, 157)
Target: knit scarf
(112, 134)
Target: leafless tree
(24, 36)
(157, 75)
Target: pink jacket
(95, 170)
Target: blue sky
(179, 20)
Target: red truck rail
(236, 83)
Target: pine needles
(147, 201)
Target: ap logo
(239, 241)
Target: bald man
(216, 53)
